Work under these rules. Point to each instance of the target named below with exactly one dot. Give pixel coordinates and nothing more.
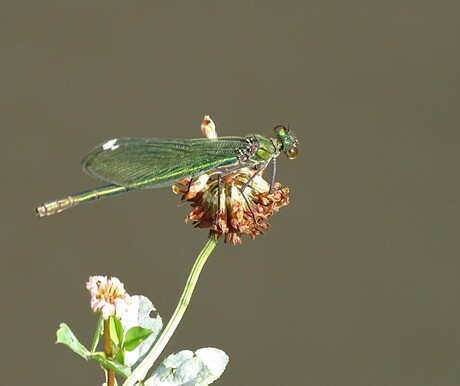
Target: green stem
(108, 352)
(149, 360)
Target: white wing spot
(110, 145)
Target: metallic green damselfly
(144, 163)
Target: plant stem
(149, 360)
(108, 352)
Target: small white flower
(108, 296)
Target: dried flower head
(108, 296)
(238, 213)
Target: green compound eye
(280, 131)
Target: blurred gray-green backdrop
(356, 283)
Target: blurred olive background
(356, 283)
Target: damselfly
(144, 163)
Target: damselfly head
(287, 141)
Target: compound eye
(280, 130)
(292, 152)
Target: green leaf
(138, 314)
(98, 333)
(65, 336)
(120, 357)
(116, 331)
(188, 368)
(118, 368)
(135, 336)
